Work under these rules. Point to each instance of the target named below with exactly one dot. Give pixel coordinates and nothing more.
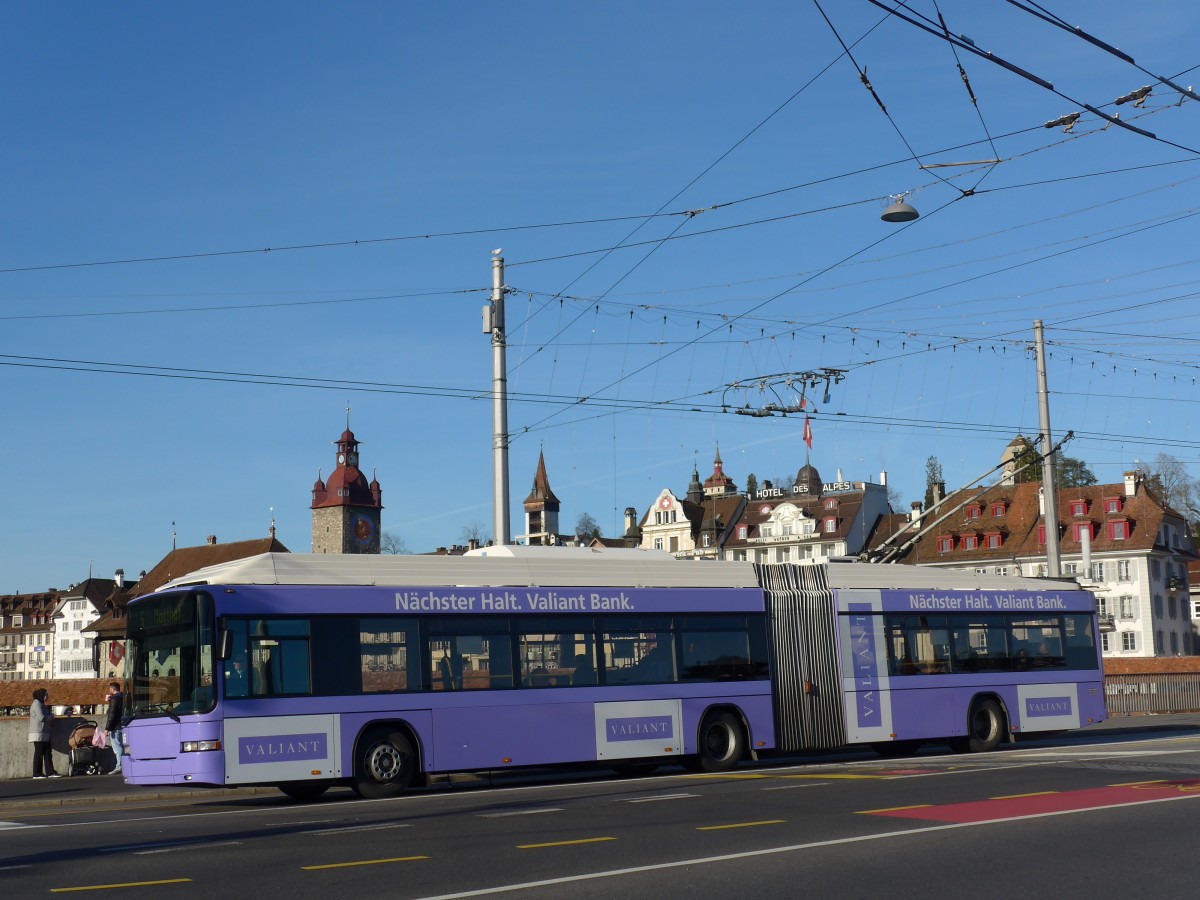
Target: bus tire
(384, 764)
(720, 743)
(985, 727)
(304, 790)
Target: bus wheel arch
(987, 725)
(387, 760)
(722, 740)
(304, 791)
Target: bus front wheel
(720, 745)
(985, 728)
(384, 764)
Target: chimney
(211, 540)
(839, 473)
(883, 478)
(119, 578)
(939, 492)
(1131, 482)
(473, 544)
(630, 518)
(915, 515)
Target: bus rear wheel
(304, 790)
(383, 765)
(985, 728)
(720, 744)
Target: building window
(1155, 569)
(1118, 530)
(830, 525)
(1079, 529)
(994, 540)
(1158, 606)
(1041, 534)
(766, 531)
(970, 542)
(945, 544)
(1001, 570)
(1124, 570)
(974, 511)
(1171, 607)
(1174, 643)
(999, 509)
(658, 543)
(1101, 606)
(1112, 504)
(831, 503)
(1070, 568)
(1079, 507)
(743, 530)
(1129, 640)
(1104, 642)
(1126, 608)
(1097, 572)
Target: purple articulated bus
(306, 671)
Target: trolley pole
(1049, 489)
(493, 323)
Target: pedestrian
(113, 721)
(40, 719)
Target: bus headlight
(196, 746)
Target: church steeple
(718, 484)
(541, 508)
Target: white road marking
(659, 797)
(520, 812)
(192, 845)
(792, 787)
(4, 825)
(349, 828)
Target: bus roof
(578, 567)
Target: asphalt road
(1106, 813)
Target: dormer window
(970, 542)
(1112, 505)
(743, 530)
(993, 540)
(830, 525)
(1079, 507)
(999, 509)
(1079, 529)
(1118, 529)
(945, 544)
(831, 503)
(974, 511)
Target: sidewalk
(28, 793)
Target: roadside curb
(105, 799)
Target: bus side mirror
(224, 644)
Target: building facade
(27, 636)
(79, 608)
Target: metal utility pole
(493, 324)
(1049, 489)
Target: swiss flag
(808, 432)
(116, 652)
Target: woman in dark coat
(40, 719)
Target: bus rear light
(197, 746)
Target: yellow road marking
(740, 825)
(1134, 783)
(747, 776)
(595, 840)
(104, 887)
(827, 777)
(363, 862)
(867, 812)
(1018, 796)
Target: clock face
(766, 510)
(341, 459)
(352, 459)
(362, 528)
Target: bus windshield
(171, 655)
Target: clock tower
(346, 509)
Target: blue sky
(195, 131)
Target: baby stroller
(84, 758)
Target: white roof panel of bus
(579, 567)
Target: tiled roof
(1018, 527)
